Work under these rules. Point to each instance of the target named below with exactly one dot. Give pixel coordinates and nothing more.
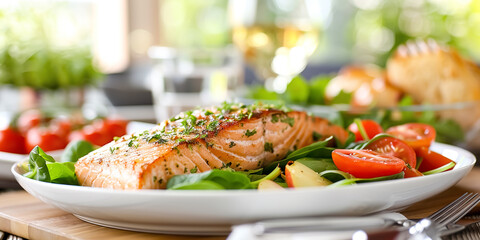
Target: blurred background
(110, 54)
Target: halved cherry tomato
(12, 141)
(416, 135)
(431, 160)
(411, 172)
(371, 127)
(394, 147)
(45, 138)
(367, 163)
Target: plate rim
(217, 193)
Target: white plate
(7, 159)
(214, 211)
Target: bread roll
(437, 75)
(367, 85)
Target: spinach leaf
(314, 150)
(43, 167)
(37, 165)
(62, 172)
(75, 150)
(222, 180)
(318, 164)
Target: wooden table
(23, 215)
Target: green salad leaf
(318, 164)
(213, 179)
(297, 90)
(43, 167)
(75, 150)
(314, 150)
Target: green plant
(33, 55)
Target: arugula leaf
(297, 90)
(350, 181)
(75, 150)
(271, 176)
(222, 180)
(43, 167)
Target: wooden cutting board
(25, 216)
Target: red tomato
(371, 127)
(411, 172)
(431, 160)
(12, 141)
(61, 126)
(75, 135)
(45, 138)
(95, 135)
(367, 163)
(28, 120)
(416, 135)
(115, 127)
(394, 147)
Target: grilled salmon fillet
(234, 135)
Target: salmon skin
(242, 137)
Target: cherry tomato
(411, 172)
(431, 160)
(28, 120)
(394, 147)
(75, 135)
(61, 126)
(12, 141)
(416, 135)
(371, 127)
(367, 163)
(95, 135)
(45, 138)
(114, 127)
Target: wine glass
(276, 37)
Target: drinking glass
(276, 37)
(183, 79)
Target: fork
(446, 217)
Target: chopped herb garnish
(212, 126)
(289, 120)
(249, 133)
(268, 147)
(194, 170)
(113, 149)
(232, 144)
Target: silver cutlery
(441, 221)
